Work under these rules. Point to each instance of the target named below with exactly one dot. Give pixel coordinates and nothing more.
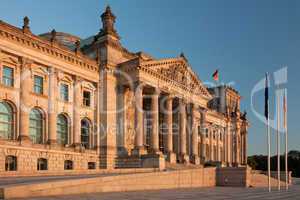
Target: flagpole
(286, 141)
(278, 140)
(269, 152)
(268, 129)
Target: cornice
(28, 40)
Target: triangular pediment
(178, 70)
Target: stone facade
(94, 103)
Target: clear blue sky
(244, 39)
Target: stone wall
(27, 159)
(204, 177)
(234, 177)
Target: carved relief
(179, 73)
(129, 120)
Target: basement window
(68, 165)
(11, 163)
(42, 164)
(91, 165)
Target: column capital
(77, 79)
(156, 91)
(52, 70)
(138, 84)
(171, 96)
(25, 62)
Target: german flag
(267, 97)
(216, 75)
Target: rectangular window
(11, 163)
(8, 76)
(86, 98)
(38, 84)
(91, 165)
(64, 92)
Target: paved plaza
(216, 193)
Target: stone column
(76, 113)
(195, 142)
(155, 122)
(211, 145)
(246, 146)
(237, 146)
(228, 145)
(218, 145)
(203, 134)
(25, 87)
(139, 122)
(52, 139)
(184, 158)
(169, 119)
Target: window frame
(40, 127)
(59, 132)
(86, 142)
(8, 165)
(40, 164)
(85, 99)
(92, 165)
(63, 96)
(5, 78)
(68, 165)
(10, 123)
(38, 89)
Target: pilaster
(52, 106)
(108, 118)
(25, 100)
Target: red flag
(216, 75)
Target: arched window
(85, 133)
(6, 121)
(36, 126)
(11, 163)
(42, 164)
(62, 129)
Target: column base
(154, 152)
(52, 142)
(154, 161)
(171, 157)
(138, 151)
(184, 158)
(77, 147)
(195, 159)
(25, 140)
